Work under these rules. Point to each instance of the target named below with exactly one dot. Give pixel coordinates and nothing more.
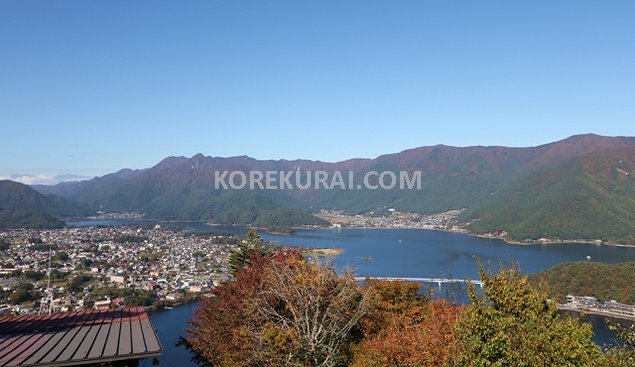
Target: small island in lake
(319, 251)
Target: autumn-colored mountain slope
(589, 197)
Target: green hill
(590, 197)
(10, 219)
(23, 207)
(17, 196)
(604, 281)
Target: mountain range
(44, 179)
(577, 188)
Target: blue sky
(90, 87)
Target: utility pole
(49, 282)
(49, 298)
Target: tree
(62, 256)
(622, 355)
(405, 328)
(78, 282)
(226, 325)
(21, 294)
(313, 308)
(279, 311)
(391, 300)
(513, 324)
(247, 248)
(86, 263)
(32, 275)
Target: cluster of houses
(394, 219)
(169, 263)
(589, 303)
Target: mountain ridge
(452, 178)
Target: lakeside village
(394, 219)
(108, 267)
(587, 304)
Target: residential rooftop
(77, 338)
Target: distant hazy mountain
(22, 206)
(44, 179)
(453, 177)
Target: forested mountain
(490, 182)
(23, 207)
(588, 197)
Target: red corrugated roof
(74, 338)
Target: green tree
(622, 355)
(513, 324)
(62, 256)
(86, 263)
(78, 282)
(21, 294)
(251, 246)
(33, 275)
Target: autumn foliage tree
(404, 328)
(622, 354)
(280, 311)
(283, 310)
(313, 308)
(227, 324)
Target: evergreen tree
(251, 246)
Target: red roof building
(78, 338)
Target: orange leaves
(425, 343)
(284, 311)
(405, 328)
(280, 311)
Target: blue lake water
(400, 253)
(170, 326)
(423, 253)
(419, 253)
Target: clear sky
(89, 87)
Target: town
(104, 267)
(394, 219)
(592, 305)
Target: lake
(416, 252)
(398, 253)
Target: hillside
(14, 195)
(603, 281)
(589, 197)
(183, 189)
(11, 219)
(23, 207)
(452, 178)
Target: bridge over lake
(438, 281)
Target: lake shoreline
(460, 231)
(582, 311)
(506, 240)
